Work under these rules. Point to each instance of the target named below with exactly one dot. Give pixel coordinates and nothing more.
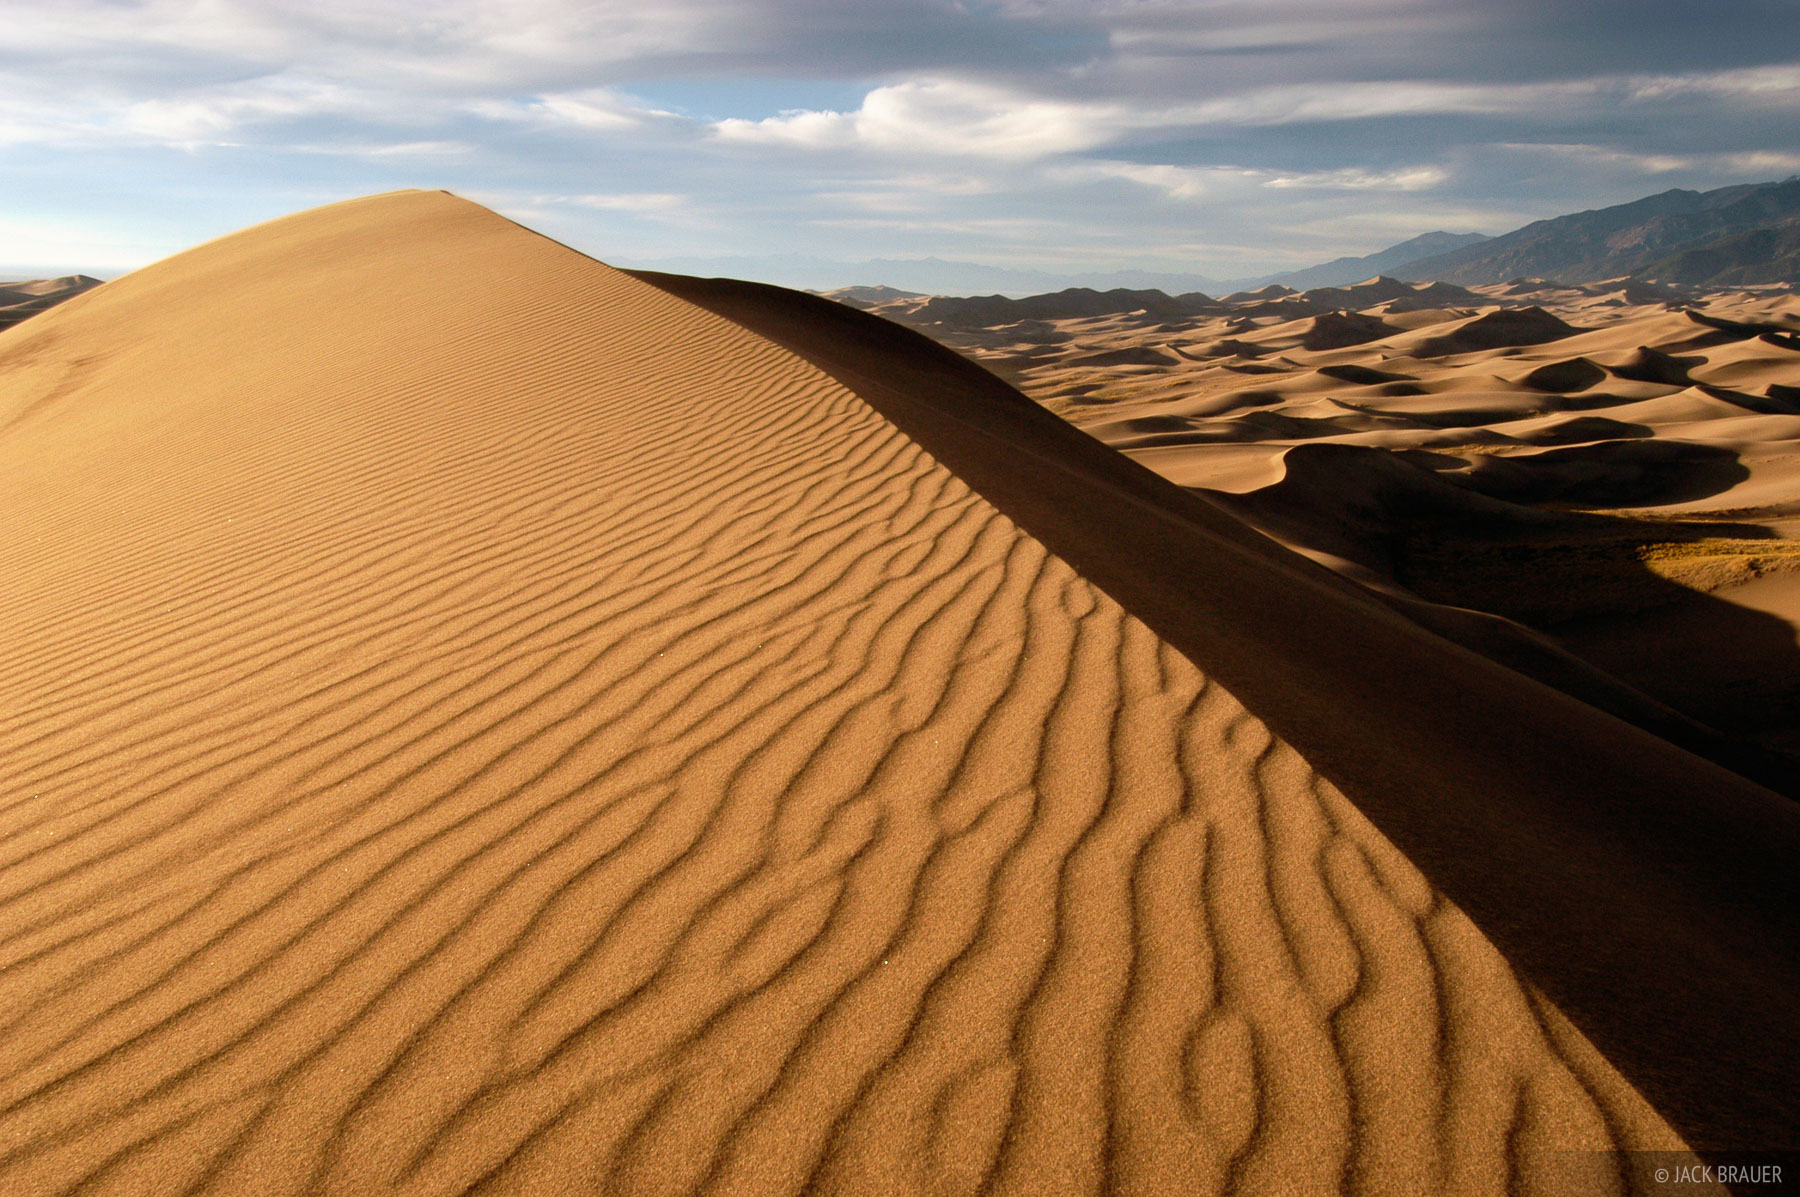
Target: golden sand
(477, 722)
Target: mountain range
(1733, 236)
(932, 275)
(1341, 272)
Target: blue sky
(1223, 137)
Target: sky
(1225, 138)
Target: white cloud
(643, 202)
(1326, 102)
(1587, 152)
(1778, 83)
(1414, 178)
(939, 117)
(953, 117)
(1176, 182)
(1236, 182)
(590, 108)
(401, 149)
(448, 45)
(1762, 162)
(1342, 101)
(204, 72)
(214, 115)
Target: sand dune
(478, 721)
(21, 300)
(1668, 411)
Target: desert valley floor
(476, 720)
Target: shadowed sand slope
(474, 721)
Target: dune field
(22, 300)
(1612, 466)
(476, 720)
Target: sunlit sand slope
(475, 722)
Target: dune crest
(477, 722)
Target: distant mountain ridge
(1343, 271)
(930, 276)
(1733, 236)
(1712, 238)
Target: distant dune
(21, 300)
(478, 720)
(870, 296)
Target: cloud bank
(1218, 136)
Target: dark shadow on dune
(1574, 374)
(1582, 429)
(1230, 348)
(1253, 427)
(1777, 401)
(1340, 330)
(1236, 401)
(1481, 417)
(1551, 594)
(1742, 330)
(1615, 473)
(1650, 893)
(1135, 356)
(1649, 365)
(1363, 376)
(1509, 328)
(1731, 670)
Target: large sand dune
(475, 720)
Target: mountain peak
(1656, 236)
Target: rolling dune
(476, 721)
(1664, 418)
(19, 301)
